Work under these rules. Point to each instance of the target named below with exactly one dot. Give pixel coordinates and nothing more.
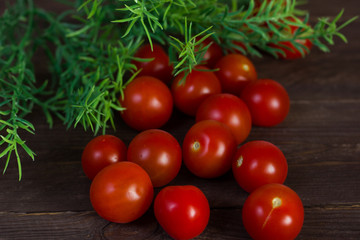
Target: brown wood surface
(320, 139)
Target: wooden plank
(329, 222)
(316, 183)
(322, 150)
(320, 173)
(331, 8)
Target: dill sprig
(91, 64)
(91, 47)
(190, 52)
(17, 82)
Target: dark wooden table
(320, 139)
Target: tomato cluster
(226, 104)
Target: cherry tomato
(101, 152)
(227, 109)
(159, 153)
(159, 67)
(235, 72)
(208, 149)
(148, 103)
(121, 192)
(267, 101)
(290, 51)
(198, 85)
(257, 163)
(213, 53)
(273, 211)
(240, 45)
(182, 211)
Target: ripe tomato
(227, 109)
(101, 152)
(182, 211)
(290, 51)
(148, 103)
(240, 45)
(159, 153)
(267, 101)
(213, 53)
(197, 86)
(235, 72)
(273, 211)
(121, 192)
(159, 67)
(257, 163)
(208, 149)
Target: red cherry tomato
(159, 153)
(101, 152)
(121, 192)
(213, 53)
(208, 149)
(148, 103)
(159, 67)
(235, 72)
(273, 211)
(290, 51)
(198, 85)
(240, 45)
(267, 101)
(257, 163)
(227, 109)
(182, 211)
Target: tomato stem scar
(239, 161)
(246, 67)
(276, 202)
(196, 146)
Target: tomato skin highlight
(197, 87)
(158, 153)
(273, 211)
(235, 72)
(268, 102)
(257, 163)
(148, 103)
(208, 149)
(228, 109)
(121, 192)
(159, 67)
(182, 211)
(101, 152)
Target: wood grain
(320, 139)
(321, 223)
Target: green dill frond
(190, 52)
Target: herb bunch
(90, 50)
